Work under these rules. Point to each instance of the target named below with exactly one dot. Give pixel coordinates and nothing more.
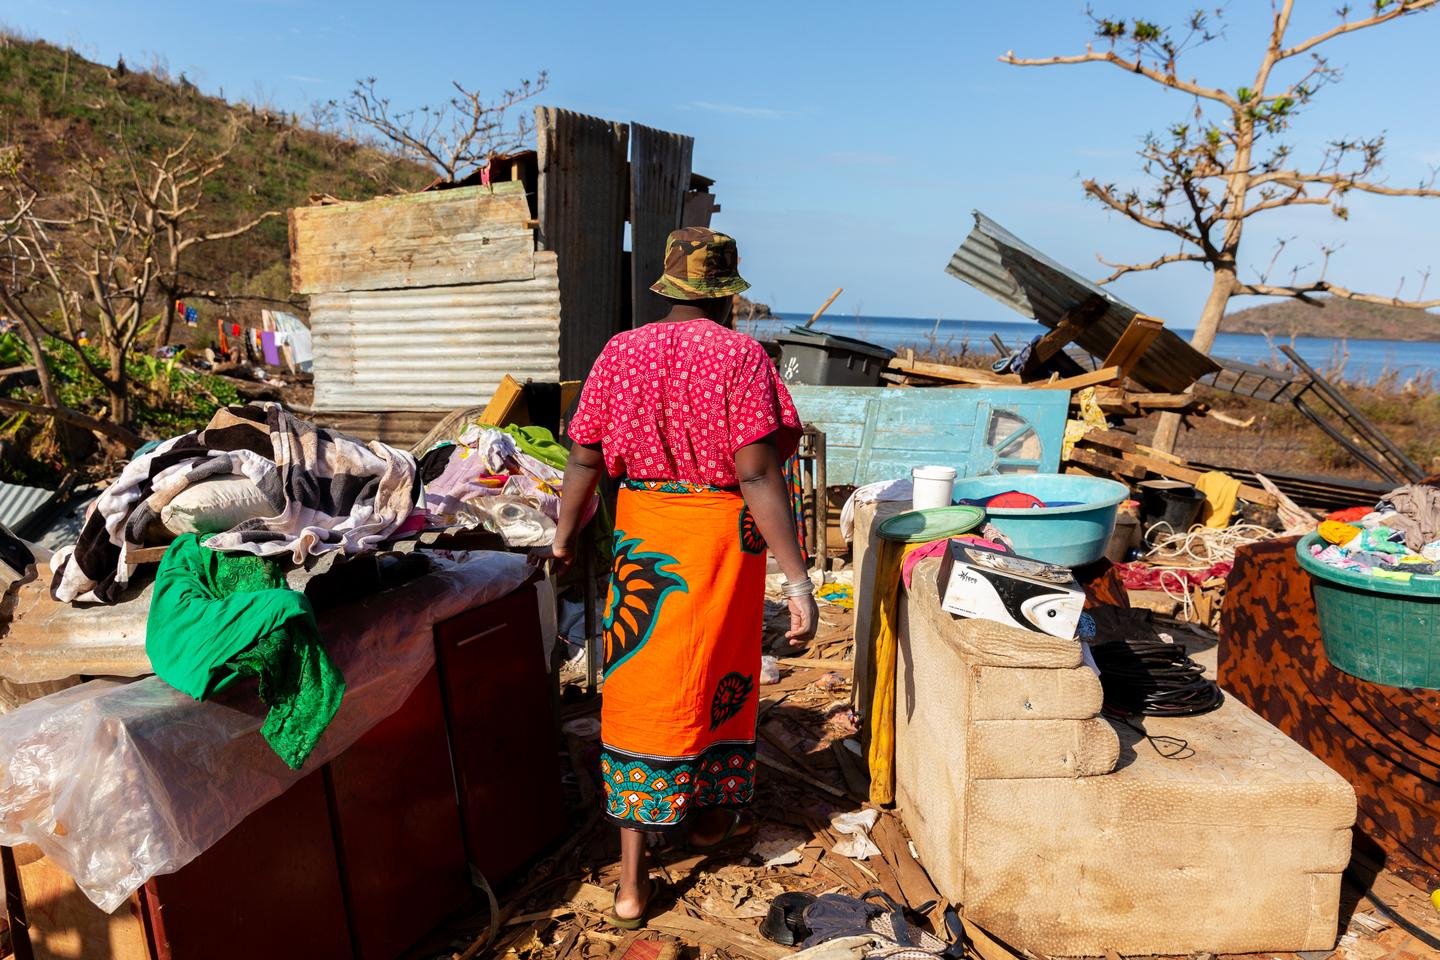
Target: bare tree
(32, 293)
(454, 138)
(170, 192)
(99, 255)
(1225, 164)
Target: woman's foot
(718, 827)
(631, 905)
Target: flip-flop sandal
(731, 835)
(633, 923)
(785, 922)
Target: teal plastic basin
(1378, 630)
(1068, 536)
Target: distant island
(750, 311)
(1348, 319)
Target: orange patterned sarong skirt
(682, 627)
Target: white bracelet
(798, 588)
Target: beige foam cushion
(1237, 849)
(215, 505)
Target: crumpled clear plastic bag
(118, 782)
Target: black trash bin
(819, 359)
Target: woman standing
(693, 419)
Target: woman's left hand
(560, 555)
(804, 617)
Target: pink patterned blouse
(674, 401)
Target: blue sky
(849, 141)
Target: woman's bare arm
(763, 486)
(582, 475)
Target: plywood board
(659, 175)
(64, 925)
(874, 433)
(583, 192)
(466, 235)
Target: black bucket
(1171, 502)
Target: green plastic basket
(1377, 630)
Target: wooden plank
(1075, 322)
(945, 371)
(1159, 454)
(693, 930)
(1116, 439)
(62, 922)
(698, 208)
(1176, 472)
(1100, 461)
(503, 402)
(914, 881)
(659, 176)
(444, 238)
(985, 945)
(583, 189)
(1080, 382)
(1139, 334)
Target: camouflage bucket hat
(699, 263)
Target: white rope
(1202, 546)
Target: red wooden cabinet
(503, 738)
(270, 887)
(397, 828)
(364, 857)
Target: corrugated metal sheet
(435, 348)
(582, 198)
(659, 173)
(19, 504)
(995, 261)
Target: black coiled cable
(1153, 678)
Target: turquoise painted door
(879, 433)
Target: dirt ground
(712, 906)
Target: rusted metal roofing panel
(582, 196)
(434, 348)
(995, 261)
(19, 503)
(466, 235)
(659, 173)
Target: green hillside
(58, 107)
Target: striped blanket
(330, 491)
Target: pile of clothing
(504, 479)
(259, 491)
(1398, 540)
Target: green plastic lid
(936, 523)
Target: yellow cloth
(1091, 418)
(884, 654)
(1221, 490)
(1333, 531)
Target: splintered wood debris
(711, 906)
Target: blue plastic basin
(1070, 536)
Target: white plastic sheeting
(118, 782)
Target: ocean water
(1353, 360)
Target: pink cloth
(936, 548)
(674, 401)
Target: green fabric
(540, 444)
(217, 617)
